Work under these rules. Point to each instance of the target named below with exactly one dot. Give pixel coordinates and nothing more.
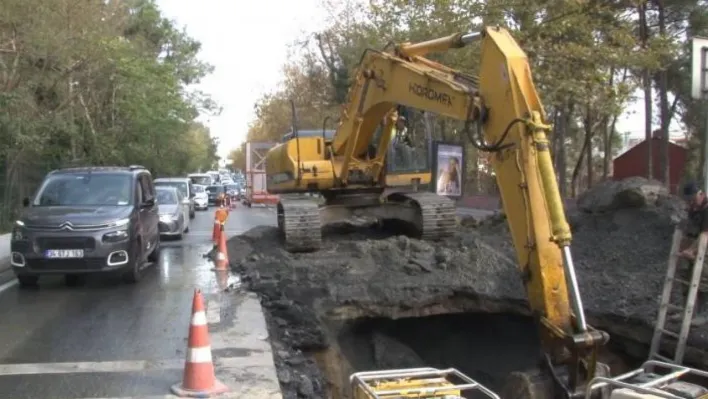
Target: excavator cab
(421, 383)
(676, 382)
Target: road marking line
(8, 285)
(90, 367)
(227, 395)
(121, 366)
(213, 312)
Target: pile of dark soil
(622, 233)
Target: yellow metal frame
(426, 382)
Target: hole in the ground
(486, 347)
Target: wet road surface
(107, 339)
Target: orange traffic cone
(199, 380)
(222, 258)
(216, 231)
(222, 279)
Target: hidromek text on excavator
(501, 107)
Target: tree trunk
(587, 149)
(565, 118)
(646, 84)
(664, 105)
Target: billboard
(449, 167)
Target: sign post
(699, 91)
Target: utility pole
(699, 91)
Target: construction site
(370, 300)
(376, 286)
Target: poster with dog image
(450, 164)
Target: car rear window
(215, 189)
(181, 186)
(166, 197)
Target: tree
(96, 83)
(585, 57)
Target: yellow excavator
(503, 109)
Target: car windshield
(201, 179)
(181, 186)
(166, 196)
(198, 189)
(215, 189)
(231, 187)
(86, 189)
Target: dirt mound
(621, 231)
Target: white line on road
(213, 311)
(240, 394)
(8, 285)
(90, 367)
(121, 366)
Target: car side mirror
(26, 202)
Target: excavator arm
(383, 82)
(501, 107)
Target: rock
(634, 192)
(305, 387)
(284, 376)
(391, 354)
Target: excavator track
(299, 222)
(438, 215)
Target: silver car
(185, 187)
(173, 208)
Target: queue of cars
(102, 220)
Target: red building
(633, 162)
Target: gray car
(174, 212)
(184, 185)
(87, 220)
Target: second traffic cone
(199, 380)
(216, 231)
(222, 257)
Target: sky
(247, 43)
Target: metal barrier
(430, 381)
(654, 385)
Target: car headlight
(113, 236)
(120, 222)
(17, 231)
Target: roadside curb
(6, 273)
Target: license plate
(64, 253)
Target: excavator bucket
(422, 383)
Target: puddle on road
(187, 266)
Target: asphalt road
(106, 339)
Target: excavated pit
(486, 347)
(328, 311)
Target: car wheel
(28, 281)
(134, 274)
(74, 280)
(155, 254)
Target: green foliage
(96, 83)
(587, 60)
